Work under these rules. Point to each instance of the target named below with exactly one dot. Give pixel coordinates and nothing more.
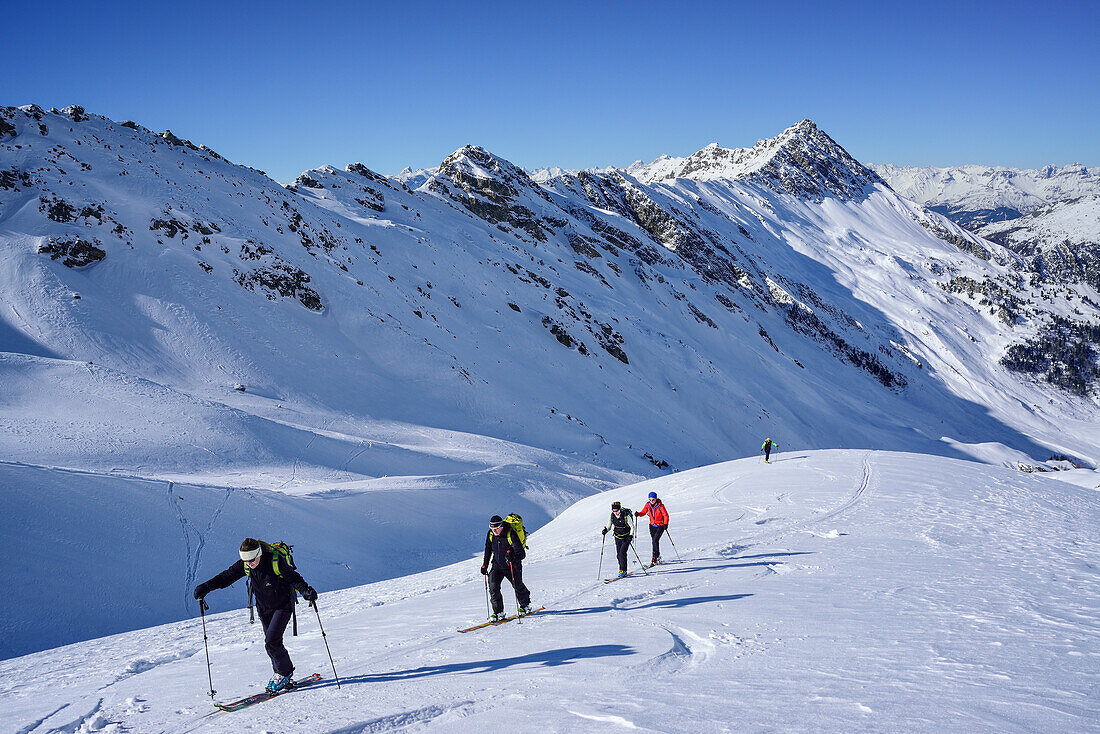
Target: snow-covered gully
(829, 590)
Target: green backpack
(280, 554)
(515, 522)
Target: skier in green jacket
(766, 447)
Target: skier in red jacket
(658, 523)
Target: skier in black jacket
(507, 553)
(274, 601)
(623, 523)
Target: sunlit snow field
(828, 591)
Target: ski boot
(622, 574)
(497, 617)
(279, 683)
(524, 611)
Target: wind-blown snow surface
(827, 591)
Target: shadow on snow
(549, 658)
(661, 604)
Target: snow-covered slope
(828, 591)
(168, 318)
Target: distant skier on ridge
(622, 521)
(658, 523)
(274, 589)
(505, 548)
(766, 447)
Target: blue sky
(289, 86)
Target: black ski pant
(497, 574)
(768, 454)
(655, 532)
(275, 622)
(622, 545)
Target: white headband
(252, 554)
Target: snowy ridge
(378, 358)
(831, 589)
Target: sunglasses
(495, 525)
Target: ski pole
(325, 638)
(678, 558)
(638, 557)
(602, 544)
(488, 609)
(519, 617)
(209, 677)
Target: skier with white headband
(274, 589)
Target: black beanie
(496, 518)
(616, 506)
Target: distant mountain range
(1050, 215)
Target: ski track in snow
(89, 721)
(35, 724)
(449, 714)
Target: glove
(310, 594)
(201, 591)
(484, 571)
(604, 532)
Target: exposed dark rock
(281, 279)
(57, 209)
(659, 463)
(610, 340)
(77, 253)
(806, 322)
(764, 335)
(13, 178)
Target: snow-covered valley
(828, 590)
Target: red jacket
(658, 515)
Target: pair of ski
(645, 567)
(266, 696)
(499, 622)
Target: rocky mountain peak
(801, 160)
(473, 160)
(491, 188)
